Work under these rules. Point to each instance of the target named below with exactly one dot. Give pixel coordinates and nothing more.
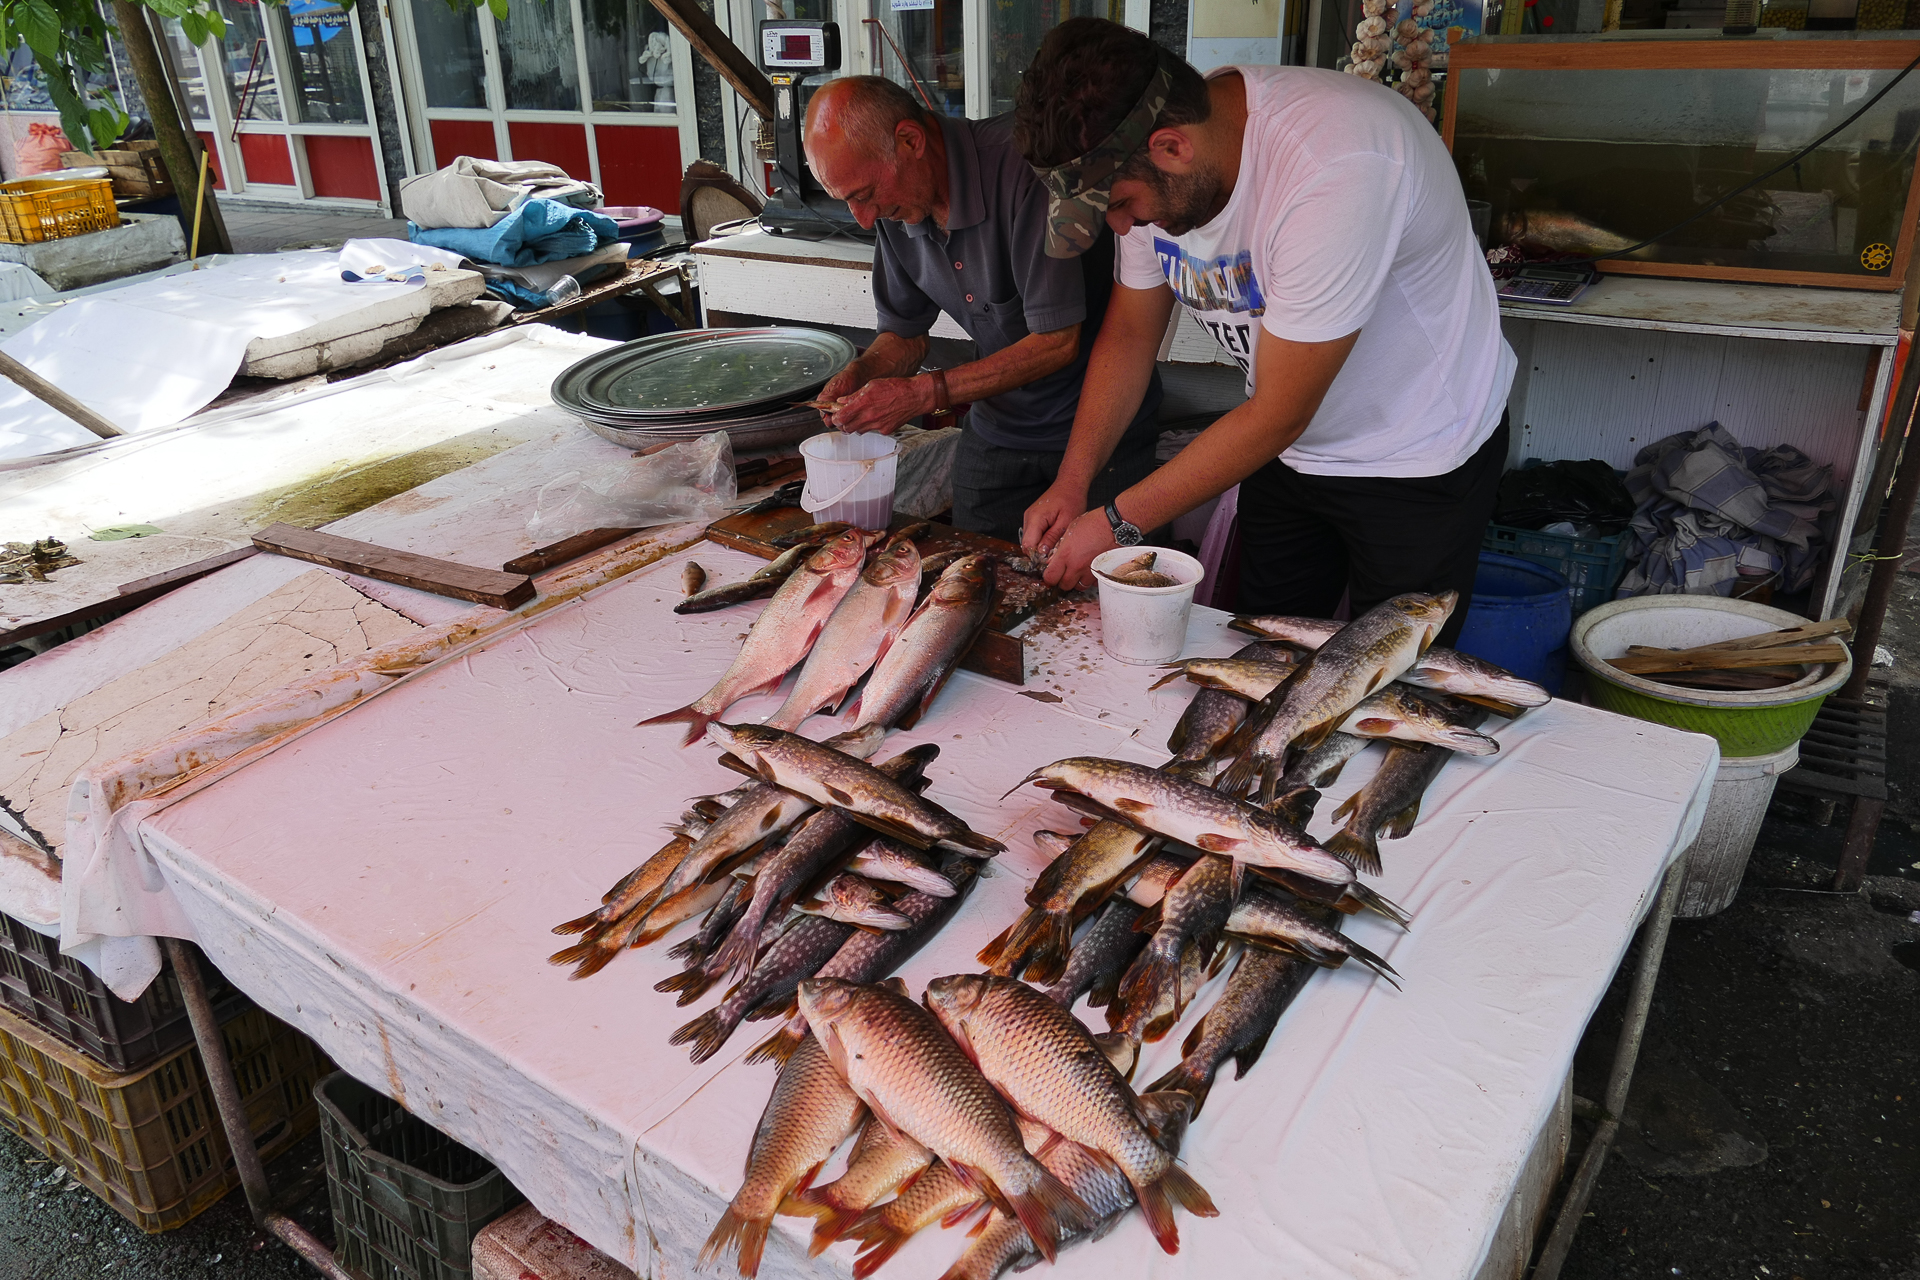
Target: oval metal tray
(764, 432)
(705, 374)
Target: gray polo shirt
(990, 271)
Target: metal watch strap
(1125, 533)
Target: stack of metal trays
(750, 383)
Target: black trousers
(1304, 540)
(993, 486)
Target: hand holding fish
(883, 405)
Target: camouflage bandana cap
(1077, 191)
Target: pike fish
(1440, 669)
(1213, 715)
(861, 628)
(1398, 712)
(884, 859)
(1193, 912)
(899, 1061)
(909, 675)
(1390, 802)
(1155, 879)
(1202, 817)
(608, 927)
(795, 955)
(938, 1195)
(1265, 921)
(882, 1161)
(1367, 653)
(1298, 789)
(764, 582)
(830, 777)
(870, 957)
(1151, 1018)
(855, 900)
(693, 979)
(810, 1114)
(782, 634)
(1101, 956)
(1071, 888)
(1263, 984)
(1052, 1070)
(1249, 678)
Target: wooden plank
(1647, 664)
(39, 388)
(721, 53)
(541, 559)
(187, 572)
(424, 573)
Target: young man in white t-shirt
(1313, 222)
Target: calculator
(1553, 286)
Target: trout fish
(910, 672)
(810, 1114)
(863, 625)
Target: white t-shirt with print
(1348, 215)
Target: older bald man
(961, 222)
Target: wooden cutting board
(1016, 596)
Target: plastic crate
(149, 1142)
(60, 995)
(37, 209)
(407, 1199)
(1592, 566)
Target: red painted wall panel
(213, 168)
(266, 158)
(640, 164)
(342, 166)
(455, 138)
(561, 144)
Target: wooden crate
(136, 169)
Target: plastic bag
(688, 481)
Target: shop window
(248, 79)
(453, 68)
(629, 57)
(186, 60)
(930, 40)
(537, 59)
(1016, 31)
(326, 65)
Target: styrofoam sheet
(386, 882)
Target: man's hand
(1071, 567)
(883, 405)
(1047, 519)
(842, 384)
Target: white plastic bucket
(850, 477)
(1717, 859)
(1145, 626)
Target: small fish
(1049, 1066)
(764, 582)
(903, 1065)
(1560, 232)
(1034, 562)
(914, 668)
(692, 578)
(1141, 563)
(881, 1162)
(1298, 789)
(812, 533)
(830, 777)
(1145, 578)
(883, 859)
(1389, 802)
(871, 957)
(866, 621)
(1263, 920)
(1399, 712)
(810, 1114)
(608, 927)
(1367, 653)
(854, 900)
(1213, 715)
(693, 979)
(1071, 888)
(1249, 678)
(938, 1195)
(781, 635)
(794, 956)
(1263, 984)
(1192, 913)
(1101, 956)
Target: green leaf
(499, 8)
(195, 28)
(115, 532)
(218, 23)
(40, 27)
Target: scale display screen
(797, 45)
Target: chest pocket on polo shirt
(1009, 317)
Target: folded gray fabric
(478, 193)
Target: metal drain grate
(1844, 754)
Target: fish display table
(386, 882)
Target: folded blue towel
(540, 230)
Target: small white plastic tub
(850, 477)
(1144, 626)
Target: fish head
(965, 579)
(898, 561)
(1428, 612)
(953, 997)
(822, 1000)
(859, 743)
(1053, 842)
(843, 551)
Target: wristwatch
(1126, 535)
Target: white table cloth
(386, 883)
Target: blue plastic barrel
(1520, 618)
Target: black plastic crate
(407, 1199)
(66, 999)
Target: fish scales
(1101, 955)
(937, 1194)
(910, 672)
(795, 955)
(865, 622)
(1193, 912)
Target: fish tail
(971, 839)
(779, 1046)
(746, 1235)
(1380, 903)
(1186, 1079)
(1048, 1211)
(696, 721)
(1239, 775)
(1358, 849)
(831, 1225)
(1008, 955)
(592, 956)
(1150, 976)
(1048, 963)
(1348, 806)
(1374, 962)
(690, 983)
(1157, 1199)
(1178, 670)
(883, 1243)
(736, 954)
(706, 1033)
(579, 925)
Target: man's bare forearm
(892, 356)
(1028, 360)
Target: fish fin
(1187, 1046)
(832, 1224)
(980, 1209)
(578, 925)
(1149, 921)
(971, 839)
(690, 983)
(747, 1236)
(1130, 807)
(1379, 903)
(696, 721)
(1150, 978)
(1348, 805)
(1184, 1079)
(706, 1033)
(728, 760)
(1404, 820)
(592, 956)
(1120, 1050)
(775, 1009)
(888, 827)
(897, 985)
(1175, 673)
(1243, 1059)
(1296, 808)
(1374, 963)
(840, 795)
(1177, 740)
(1030, 939)
(882, 1243)
(735, 954)
(1508, 710)
(1239, 775)
(1355, 848)
(1214, 842)
(1191, 770)
(1371, 727)
(1236, 878)
(1165, 1115)
(1158, 1197)
(1313, 737)
(1047, 1211)
(777, 1047)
